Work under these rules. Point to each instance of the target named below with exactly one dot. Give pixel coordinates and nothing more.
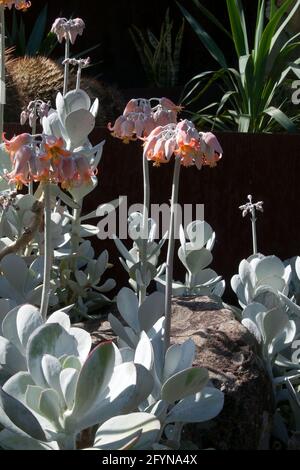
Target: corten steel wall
(267, 166)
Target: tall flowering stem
(2, 69)
(190, 148)
(47, 251)
(170, 256)
(67, 30)
(67, 66)
(251, 208)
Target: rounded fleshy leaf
(5, 307)
(117, 432)
(144, 352)
(50, 339)
(128, 307)
(84, 342)
(151, 310)
(120, 331)
(15, 271)
(28, 320)
(14, 415)
(195, 260)
(61, 318)
(75, 100)
(51, 367)
(95, 108)
(50, 407)
(198, 408)
(199, 232)
(79, 124)
(184, 383)
(11, 441)
(297, 266)
(94, 378)
(269, 266)
(68, 382)
(11, 359)
(179, 357)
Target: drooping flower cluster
(35, 109)
(184, 141)
(68, 29)
(46, 160)
(139, 118)
(18, 4)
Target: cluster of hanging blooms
(157, 125)
(184, 141)
(18, 4)
(141, 117)
(43, 158)
(35, 109)
(68, 29)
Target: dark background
(107, 23)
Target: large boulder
(228, 351)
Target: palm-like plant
(255, 92)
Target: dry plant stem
(47, 252)
(67, 67)
(145, 234)
(2, 70)
(29, 232)
(170, 256)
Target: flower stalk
(170, 256)
(251, 208)
(47, 251)
(67, 66)
(2, 70)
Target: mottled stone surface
(228, 351)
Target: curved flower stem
(170, 256)
(67, 66)
(2, 70)
(47, 252)
(145, 234)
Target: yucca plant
(255, 94)
(38, 42)
(160, 57)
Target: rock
(228, 351)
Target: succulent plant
(74, 118)
(140, 262)
(181, 393)
(257, 273)
(22, 284)
(61, 389)
(271, 327)
(195, 254)
(16, 327)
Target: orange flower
(18, 4)
(13, 145)
(54, 151)
(185, 142)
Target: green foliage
(37, 43)
(255, 94)
(160, 57)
